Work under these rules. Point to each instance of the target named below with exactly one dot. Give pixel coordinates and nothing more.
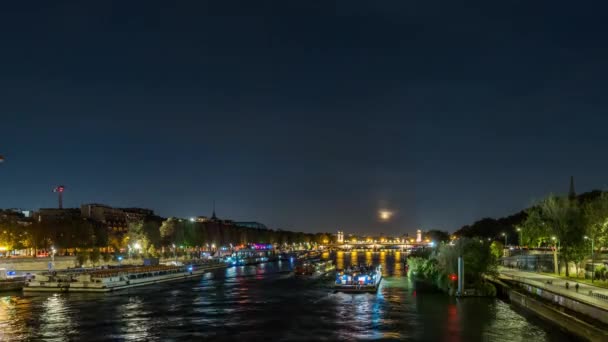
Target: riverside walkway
(589, 294)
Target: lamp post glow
(505, 235)
(53, 250)
(520, 236)
(555, 267)
(592, 258)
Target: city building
(55, 214)
(137, 214)
(113, 218)
(16, 215)
(201, 219)
(340, 236)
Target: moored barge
(314, 269)
(114, 279)
(9, 281)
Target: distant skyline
(308, 116)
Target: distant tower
(419, 235)
(59, 190)
(213, 217)
(572, 193)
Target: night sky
(304, 115)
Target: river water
(265, 302)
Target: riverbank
(23, 265)
(576, 313)
(553, 314)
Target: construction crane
(59, 190)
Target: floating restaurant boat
(9, 281)
(113, 279)
(314, 269)
(358, 279)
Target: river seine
(266, 303)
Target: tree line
(575, 227)
(148, 235)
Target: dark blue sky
(306, 115)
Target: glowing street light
(556, 246)
(53, 250)
(521, 234)
(592, 257)
(505, 235)
(192, 219)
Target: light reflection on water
(267, 303)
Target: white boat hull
(115, 285)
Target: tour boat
(113, 279)
(358, 279)
(314, 269)
(9, 281)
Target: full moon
(385, 215)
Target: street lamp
(53, 250)
(520, 236)
(592, 258)
(555, 247)
(174, 253)
(505, 235)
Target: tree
(135, 232)
(151, 230)
(534, 230)
(94, 256)
(497, 249)
(578, 256)
(565, 220)
(438, 236)
(596, 213)
(167, 230)
(82, 257)
(106, 257)
(152, 251)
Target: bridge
(394, 244)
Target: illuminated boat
(9, 281)
(358, 279)
(314, 269)
(113, 279)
